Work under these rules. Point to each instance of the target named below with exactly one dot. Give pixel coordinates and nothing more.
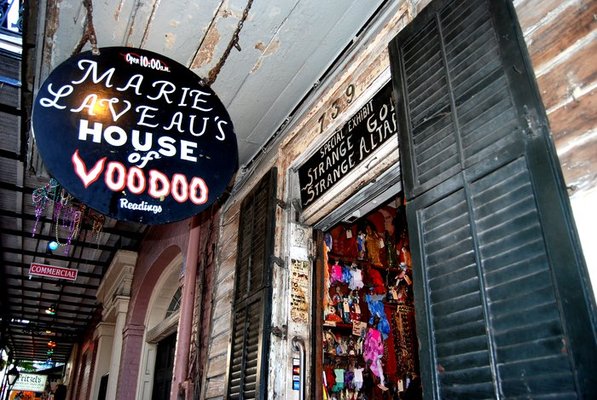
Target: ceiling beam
(76, 242)
(11, 110)
(65, 302)
(23, 265)
(135, 236)
(53, 256)
(33, 341)
(61, 314)
(9, 154)
(71, 335)
(61, 282)
(72, 326)
(54, 292)
(59, 333)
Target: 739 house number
(337, 107)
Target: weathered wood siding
(206, 265)
(223, 286)
(560, 36)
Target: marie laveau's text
(147, 135)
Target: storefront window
(174, 303)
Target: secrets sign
(30, 382)
(349, 146)
(134, 135)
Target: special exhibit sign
(134, 135)
(349, 146)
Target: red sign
(53, 272)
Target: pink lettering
(81, 169)
(117, 177)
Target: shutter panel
(504, 305)
(255, 229)
(460, 111)
(252, 298)
(245, 354)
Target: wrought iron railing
(11, 17)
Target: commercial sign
(374, 124)
(53, 272)
(134, 135)
(30, 382)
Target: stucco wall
(159, 247)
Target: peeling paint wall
(562, 41)
(562, 45)
(363, 68)
(219, 338)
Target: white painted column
(114, 293)
(104, 333)
(121, 305)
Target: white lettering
(186, 150)
(143, 206)
(64, 91)
(115, 135)
(84, 131)
(133, 82)
(90, 68)
(144, 110)
(165, 88)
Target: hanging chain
(89, 32)
(213, 73)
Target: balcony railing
(11, 17)
(11, 27)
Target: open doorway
(164, 364)
(369, 335)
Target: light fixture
(53, 245)
(51, 310)
(13, 375)
(51, 344)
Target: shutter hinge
(533, 125)
(282, 204)
(277, 260)
(280, 332)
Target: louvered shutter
(252, 297)
(504, 306)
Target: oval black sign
(134, 135)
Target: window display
(369, 336)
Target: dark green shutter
(253, 292)
(504, 306)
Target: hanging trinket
(74, 218)
(41, 197)
(97, 226)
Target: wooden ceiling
(262, 58)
